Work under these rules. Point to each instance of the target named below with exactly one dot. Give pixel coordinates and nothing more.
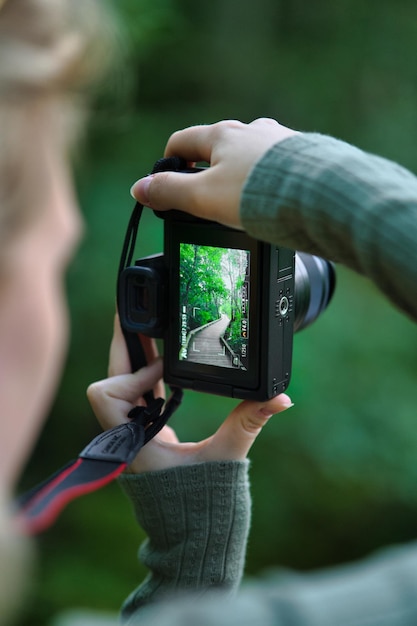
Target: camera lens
(315, 280)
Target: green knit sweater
(322, 196)
(197, 521)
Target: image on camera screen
(214, 306)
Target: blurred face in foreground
(33, 311)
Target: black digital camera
(225, 304)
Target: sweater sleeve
(323, 196)
(379, 591)
(197, 520)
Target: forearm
(323, 196)
(197, 520)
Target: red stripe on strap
(46, 517)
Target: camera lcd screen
(214, 296)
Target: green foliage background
(334, 477)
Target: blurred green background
(334, 477)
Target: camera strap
(101, 461)
(108, 454)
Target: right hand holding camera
(112, 399)
(232, 149)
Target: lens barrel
(315, 280)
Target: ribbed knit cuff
(197, 519)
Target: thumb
(235, 437)
(168, 190)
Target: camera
(226, 305)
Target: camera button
(283, 306)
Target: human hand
(232, 149)
(113, 398)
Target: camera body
(222, 302)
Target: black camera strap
(108, 454)
(101, 461)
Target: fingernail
(140, 190)
(285, 402)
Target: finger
(119, 361)
(193, 194)
(192, 144)
(238, 432)
(151, 353)
(112, 399)
(170, 190)
(149, 348)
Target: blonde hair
(51, 52)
